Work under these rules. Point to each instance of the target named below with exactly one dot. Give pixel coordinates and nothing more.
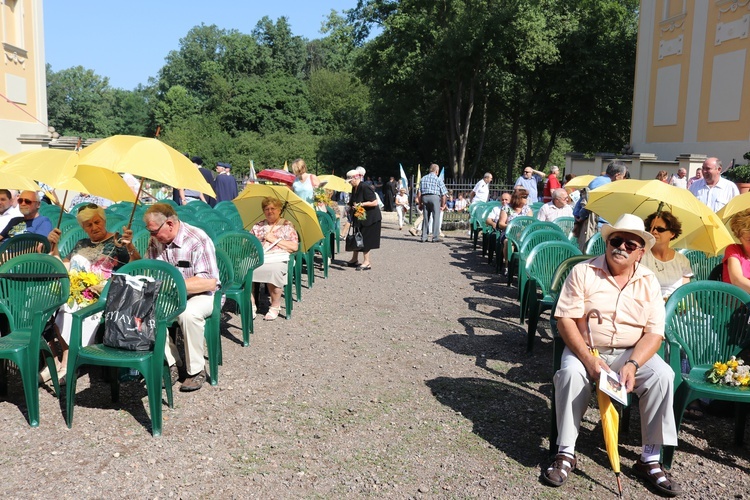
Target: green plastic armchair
(595, 245)
(709, 322)
(23, 244)
(513, 235)
(32, 288)
(212, 329)
(170, 303)
(566, 224)
(246, 253)
(701, 263)
(69, 239)
(528, 243)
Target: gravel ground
(407, 381)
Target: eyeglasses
(630, 246)
(660, 229)
(528, 172)
(155, 231)
(92, 206)
(25, 201)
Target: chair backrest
(68, 224)
(701, 263)
(69, 239)
(218, 222)
(208, 227)
(140, 241)
(22, 244)
(536, 237)
(545, 259)
(41, 284)
(115, 222)
(326, 223)
(566, 224)
(244, 250)
(538, 226)
(709, 319)
(226, 207)
(226, 270)
(172, 297)
(716, 273)
(563, 270)
(596, 244)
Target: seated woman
(279, 239)
(671, 268)
(518, 207)
(737, 256)
(101, 253)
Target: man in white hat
(628, 297)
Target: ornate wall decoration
(732, 29)
(15, 55)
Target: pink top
(282, 229)
(735, 251)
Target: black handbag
(129, 314)
(354, 241)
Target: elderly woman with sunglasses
(101, 253)
(671, 268)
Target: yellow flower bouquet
(731, 372)
(359, 212)
(81, 293)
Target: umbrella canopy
(3, 154)
(276, 175)
(735, 205)
(580, 181)
(145, 157)
(59, 169)
(335, 183)
(294, 209)
(19, 182)
(701, 228)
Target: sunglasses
(528, 172)
(630, 246)
(155, 231)
(92, 206)
(660, 229)
(25, 201)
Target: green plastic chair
(327, 222)
(208, 227)
(152, 364)
(541, 266)
(323, 247)
(217, 222)
(566, 224)
(596, 245)
(116, 222)
(226, 207)
(246, 254)
(140, 241)
(21, 244)
(212, 329)
(538, 225)
(513, 235)
(531, 240)
(68, 224)
(707, 334)
(69, 239)
(475, 220)
(32, 288)
(701, 263)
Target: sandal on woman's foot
(557, 473)
(272, 314)
(653, 474)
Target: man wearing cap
(188, 195)
(225, 185)
(627, 296)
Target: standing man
(698, 176)
(431, 201)
(680, 179)
(558, 207)
(481, 191)
(30, 221)
(552, 183)
(529, 180)
(225, 185)
(714, 190)
(7, 210)
(192, 252)
(587, 222)
(627, 297)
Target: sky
(127, 41)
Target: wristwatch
(634, 363)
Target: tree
(80, 102)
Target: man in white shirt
(558, 207)
(481, 191)
(7, 210)
(713, 190)
(680, 179)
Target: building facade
(23, 94)
(692, 86)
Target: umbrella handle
(135, 203)
(62, 207)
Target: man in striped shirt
(190, 250)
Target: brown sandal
(557, 473)
(654, 474)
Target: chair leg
(533, 308)
(30, 388)
(70, 397)
(114, 385)
(740, 417)
(4, 377)
(153, 387)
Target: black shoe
(194, 383)
(353, 264)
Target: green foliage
(738, 173)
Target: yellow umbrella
(701, 228)
(735, 205)
(335, 183)
(610, 417)
(145, 157)
(294, 209)
(21, 183)
(580, 181)
(4, 154)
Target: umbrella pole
(135, 203)
(62, 207)
(619, 483)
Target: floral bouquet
(733, 372)
(359, 212)
(81, 294)
(320, 196)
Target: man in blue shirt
(529, 180)
(30, 220)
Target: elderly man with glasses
(627, 297)
(558, 207)
(30, 220)
(530, 180)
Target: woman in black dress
(363, 195)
